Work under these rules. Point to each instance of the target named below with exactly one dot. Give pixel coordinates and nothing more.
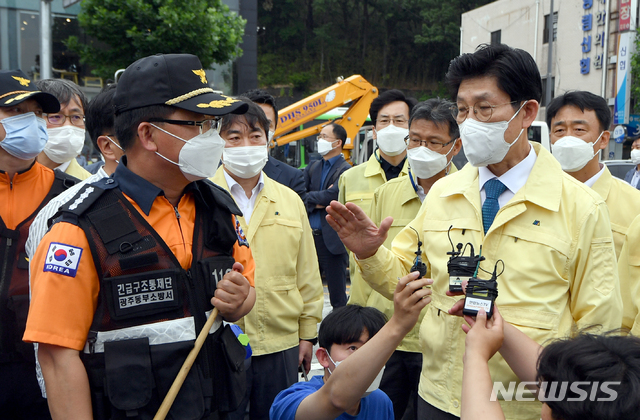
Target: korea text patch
(62, 259)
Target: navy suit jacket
(286, 175)
(629, 176)
(323, 195)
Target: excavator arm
(355, 90)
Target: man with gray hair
(65, 128)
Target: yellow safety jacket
(629, 271)
(623, 202)
(396, 198)
(358, 183)
(554, 237)
(74, 169)
(357, 186)
(289, 293)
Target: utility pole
(46, 62)
(550, 59)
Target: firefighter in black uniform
(125, 278)
(25, 187)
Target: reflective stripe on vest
(164, 332)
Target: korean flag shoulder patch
(62, 259)
(242, 239)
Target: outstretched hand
(356, 230)
(484, 336)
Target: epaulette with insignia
(87, 196)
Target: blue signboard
(633, 128)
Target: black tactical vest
(14, 279)
(150, 309)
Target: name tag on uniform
(144, 294)
(62, 259)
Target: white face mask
(246, 161)
(390, 140)
(199, 157)
(484, 143)
(324, 146)
(573, 153)
(425, 163)
(374, 385)
(65, 143)
(635, 156)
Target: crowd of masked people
(188, 228)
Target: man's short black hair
(63, 90)
(347, 323)
(254, 116)
(99, 115)
(514, 69)
(437, 111)
(595, 359)
(385, 98)
(127, 122)
(339, 132)
(260, 96)
(585, 101)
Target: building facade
(20, 45)
(591, 48)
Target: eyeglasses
(483, 111)
(396, 121)
(204, 125)
(323, 137)
(436, 146)
(59, 119)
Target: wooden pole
(186, 367)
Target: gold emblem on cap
(188, 96)
(218, 104)
(22, 80)
(203, 76)
(19, 97)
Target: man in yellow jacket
(433, 141)
(282, 326)
(551, 232)
(578, 123)
(629, 271)
(65, 128)
(390, 115)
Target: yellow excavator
(354, 90)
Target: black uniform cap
(16, 87)
(172, 79)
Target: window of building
(495, 37)
(65, 63)
(544, 89)
(30, 43)
(545, 33)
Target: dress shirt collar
(64, 166)
(589, 182)
(237, 191)
(333, 160)
(514, 178)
